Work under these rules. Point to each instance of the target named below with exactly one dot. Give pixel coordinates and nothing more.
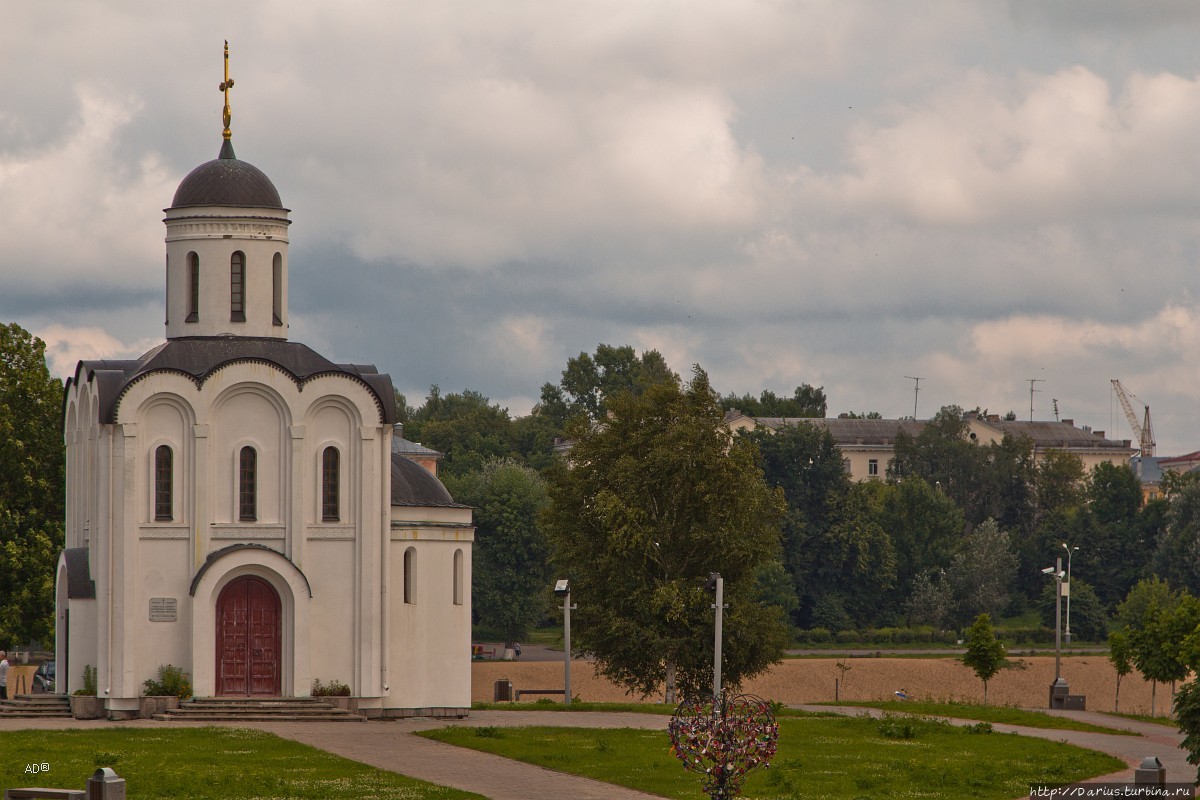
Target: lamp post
(562, 588)
(716, 584)
(1058, 689)
(1069, 550)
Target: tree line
(654, 493)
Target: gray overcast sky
(840, 193)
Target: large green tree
(510, 562)
(653, 499)
(31, 487)
(806, 401)
(982, 572)
(1114, 547)
(925, 527)
(467, 428)
(589, 381)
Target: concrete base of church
(436, 712)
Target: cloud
(67, 346)
(74, 204)
(989, 149)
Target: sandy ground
(812, 680)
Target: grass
(547, 704)
(1006, 715)
(827, 757)
(1168, 722)
(629, 708)
(202, 764)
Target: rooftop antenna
(1032, 381)
(1055, 402)
(916, 391)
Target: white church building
(238, 505)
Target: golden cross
(226, 116)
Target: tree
(511, 568)
(467, 428)
(982, 571)
(1059, 481)
(931, 601)
(806, 401)
(1177, 555)
(31, 487)
(1111, 526)
(943, 456)
(1089, 623)
(985, 653)
(1120, 655)
(925, 526)
(1187, 717)
(589, 382)
(652, 501)
(1157, 645)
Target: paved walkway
(391, 746)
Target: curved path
(391, 746)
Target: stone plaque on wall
(163, 609)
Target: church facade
(235, 506)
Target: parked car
(43, 679)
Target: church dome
(226, 181)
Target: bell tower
(227, 248)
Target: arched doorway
(249, 639)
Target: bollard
(105, 785)
(1150, 772)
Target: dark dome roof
(412, 485)
(226, 181)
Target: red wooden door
(248, 639)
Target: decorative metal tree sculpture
(723, 740)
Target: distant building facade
(868, 445)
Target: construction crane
(1144, 432)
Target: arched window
(163, 483)
(458, 577)
(330, 475)
(248, 485)
(193, 278)
(237, 287)
(410, 576)
(277, 290)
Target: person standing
(3, 675)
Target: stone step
(26, 706)
(225, 709)
(278, 717)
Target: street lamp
(1069, 550)
(562, 588)
(1058, 689)
(716, 583)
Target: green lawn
(1168, 722)
(202, 764)
(825, 757)
(1002, 714)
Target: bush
(89, 682)
(172, 682)
(814, 636)
(847, 637)
(893, 726)
(331, 689)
